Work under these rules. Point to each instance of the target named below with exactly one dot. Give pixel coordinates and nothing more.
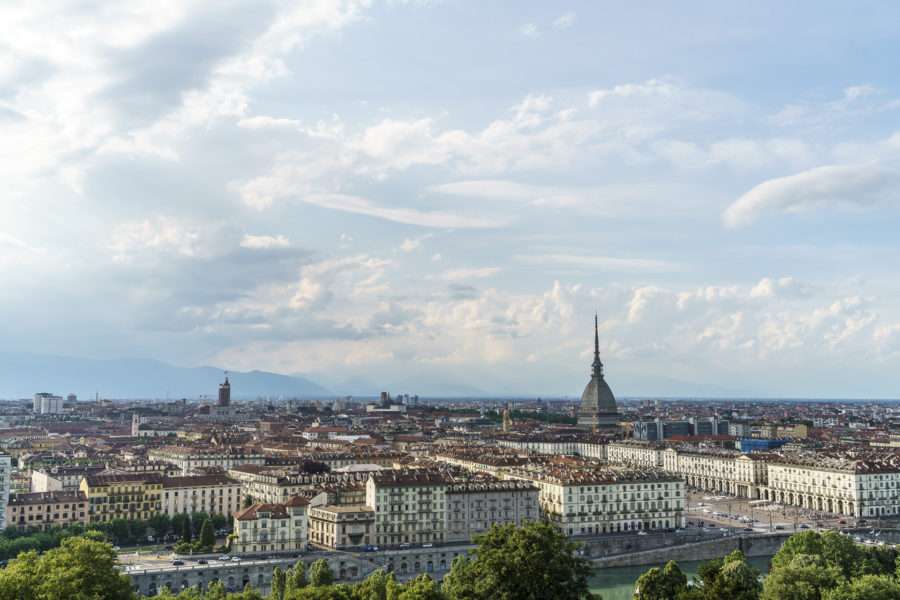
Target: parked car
(404, 544)
(779, 528)
(202, 561)
(370, 549)
(842, 522)
(116, 548)
(427, 545)
(804, 526)
(642, 533)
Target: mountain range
(24, 374)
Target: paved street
(702, 507)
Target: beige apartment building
(859, 487)
(473, 507)
(636, 453)
(47, 509)
(206, 493)
(341, 527)
(727, 471)
(271, 528)
(190, 458)
(606, 500)
(410, 506)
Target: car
(842, 522)
(116, 548)
(201, 561)
(861, 522)
(404, 544)
(804, 526)
(642, 533)
(235, 559)
(177, 562)
(224, 557)
(779, 528)
(723, 529)
(370, 548)
(748, 529)
(427, 545)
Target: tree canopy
(532, 562)
(80, 569)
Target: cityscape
(403, 483)
(449, 300)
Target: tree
(118, 530)
(91, 534)
(197, 520)
(866, 587)
(160, 524)
(248, 500)
(320, 573)
(296, 578)
(186, 532)
(422, 587)
(661, 584)
(279, 581)
(80, 569)
(216, 591)
(806, 577)
(11, 532)
(137, 528)
(736, 580)
(531, 562)
(207, 535)
(219, 521)
(338, 592)
(376, 586)
(807, 542)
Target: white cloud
(315, 289)
(598, 262)
(529, 30)
(565, 20)
(854, 101)
(468, 273)
(410, 216)
(264, 241)
(860, 185)
(410, 244)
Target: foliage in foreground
(511, 563)
(809, 566)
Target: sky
(451, 190)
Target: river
(618, 583)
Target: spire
(597, 366)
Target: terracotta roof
(251, 513)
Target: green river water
(618, 583)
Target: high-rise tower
(598, 405)
(225, 392)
